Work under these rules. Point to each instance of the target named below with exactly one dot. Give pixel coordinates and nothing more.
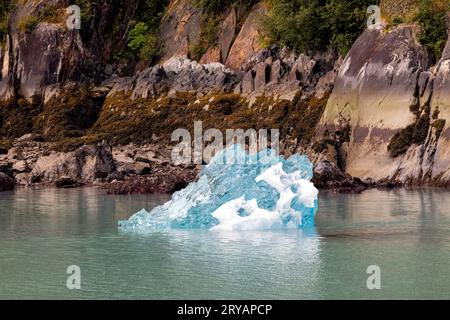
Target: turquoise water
(405, 233)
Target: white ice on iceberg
(238, 191)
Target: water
(405, 233)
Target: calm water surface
(405, 233)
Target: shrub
(401, 141)
(143, 42)
(218, 6)
(5, 8)
(143, 38)
(439, 126)
(28, 24)
(314, 24)
(397, 20)
(415, 133)
(432, 18)
(87, 10)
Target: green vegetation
(397, 20)
(401, 141)
(47, 14)
(5, 8)
(218, 6)
(318, 24)
(431, 17)
(143, 42)
(143, 39)
(68, 115)
(28, 24)
(16, 117)
(315, 24)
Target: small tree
(143, 42)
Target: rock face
(226, 34)
(180, 27)
(436, 152)
(42, 57)
(66, 182)
(225, 38)
(247, 42)
(386, 120)
(375, 96)
(282, 74)
(178, 74)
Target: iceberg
(239, 191)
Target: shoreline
(146, 169)
(106, 187)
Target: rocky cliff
(393, 105)
(77, 108)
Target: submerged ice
(239, 191)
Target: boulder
(25, 137)
(188, 75)
(178, 74)
(66, 182)
(147, 157)
(6, 182)
(20, 166)
(302, 70)
(135, 168)
(328, 176)
(150, 82)
(262, 75)
(84, 165)
(248, 84)
(276, 71)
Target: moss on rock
(68, 115)
(123, 120)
